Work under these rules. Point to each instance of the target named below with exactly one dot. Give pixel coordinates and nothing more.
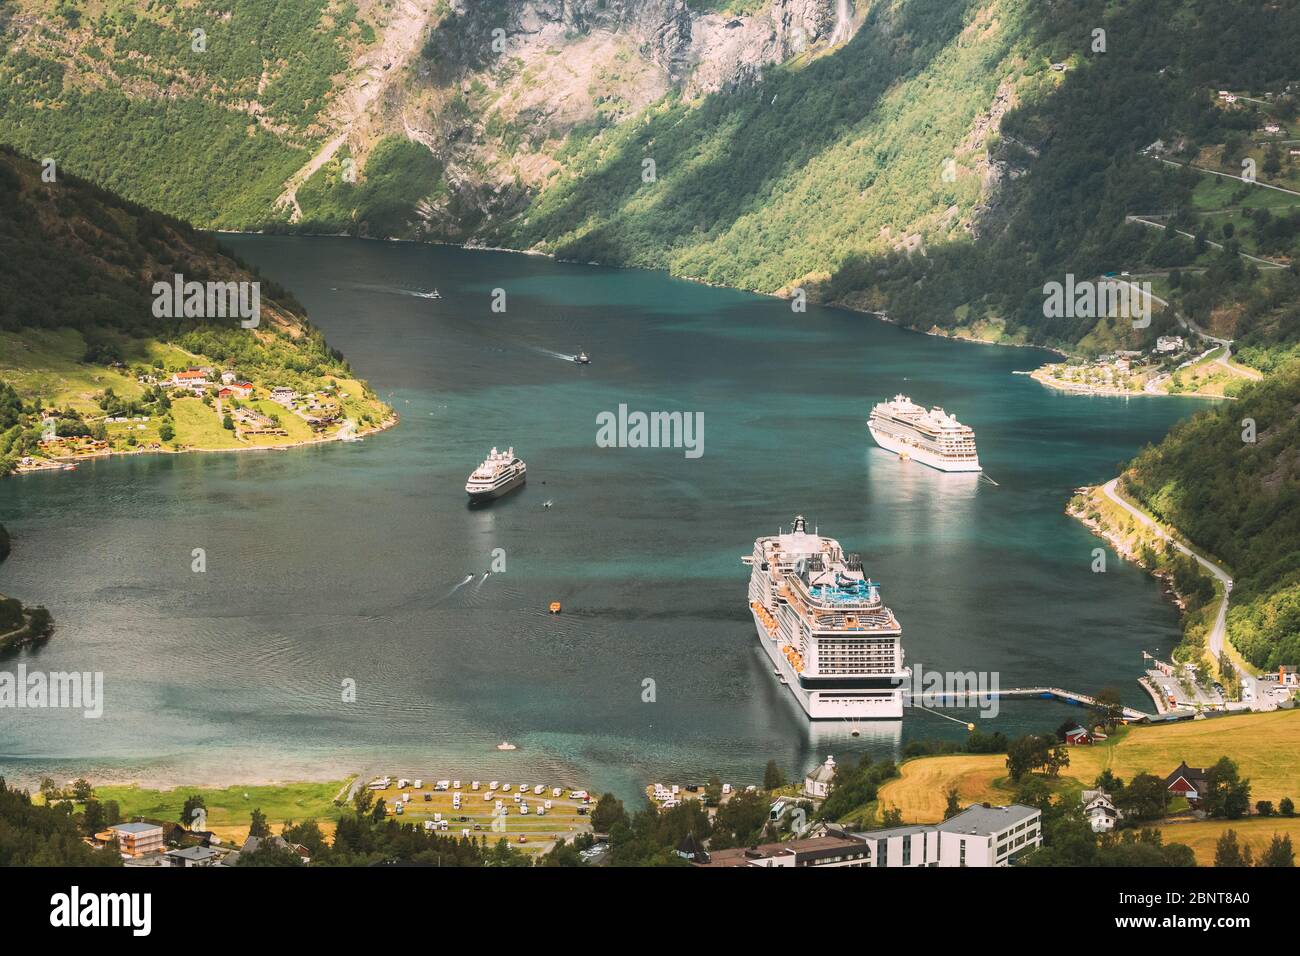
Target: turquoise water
(363, 562)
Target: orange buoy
(555, 607)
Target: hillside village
(200, 407)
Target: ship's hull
(923, 455)
(492, 494)
(830, 703)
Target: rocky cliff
(499, 89)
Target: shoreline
(1040, 376)
(933, 331)
(60, 463)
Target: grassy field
(1201, 835)
(1217, 192)
(197, 426)
(1206, 377)
(1263, 746)
(45, 364)
(921, 792)
(229, 809)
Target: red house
(1078, 736)
(1189, 782)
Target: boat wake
(558, 355)
(392, 290)
(468, 578)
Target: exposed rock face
(702, 52)
(539, 69)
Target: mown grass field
(1263, 745)
(229, 809)
(1202, 835)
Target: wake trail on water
(558, 355)
(391, 290)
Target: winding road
(1215, 642)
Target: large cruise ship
(932, 437)
(500, 474)
(822, 623)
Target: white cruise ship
(932, 437)
(822, 623)
(500, 474)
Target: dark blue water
(342, 563)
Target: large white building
(980, 835)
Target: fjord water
(363, 562)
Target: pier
(1012, 693)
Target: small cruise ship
(501, 473)
(822, 623)
(932, 437)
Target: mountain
(87, 363)
(937, 160)
(1229, 479)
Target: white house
(818, 782)
(1100, 811)
(1169, 343)
(980, 835)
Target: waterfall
(843, 31)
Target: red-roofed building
(1078, 735)
(239, 390)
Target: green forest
(793, 182)
(209, 135)
(1229, 479)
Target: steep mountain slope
(1240, 499)
(83, 347)
(202, 110)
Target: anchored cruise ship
(933, 438)
(500, 474)
(824, 627)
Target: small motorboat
(506, 745)
(582, 358)
(555, 607)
